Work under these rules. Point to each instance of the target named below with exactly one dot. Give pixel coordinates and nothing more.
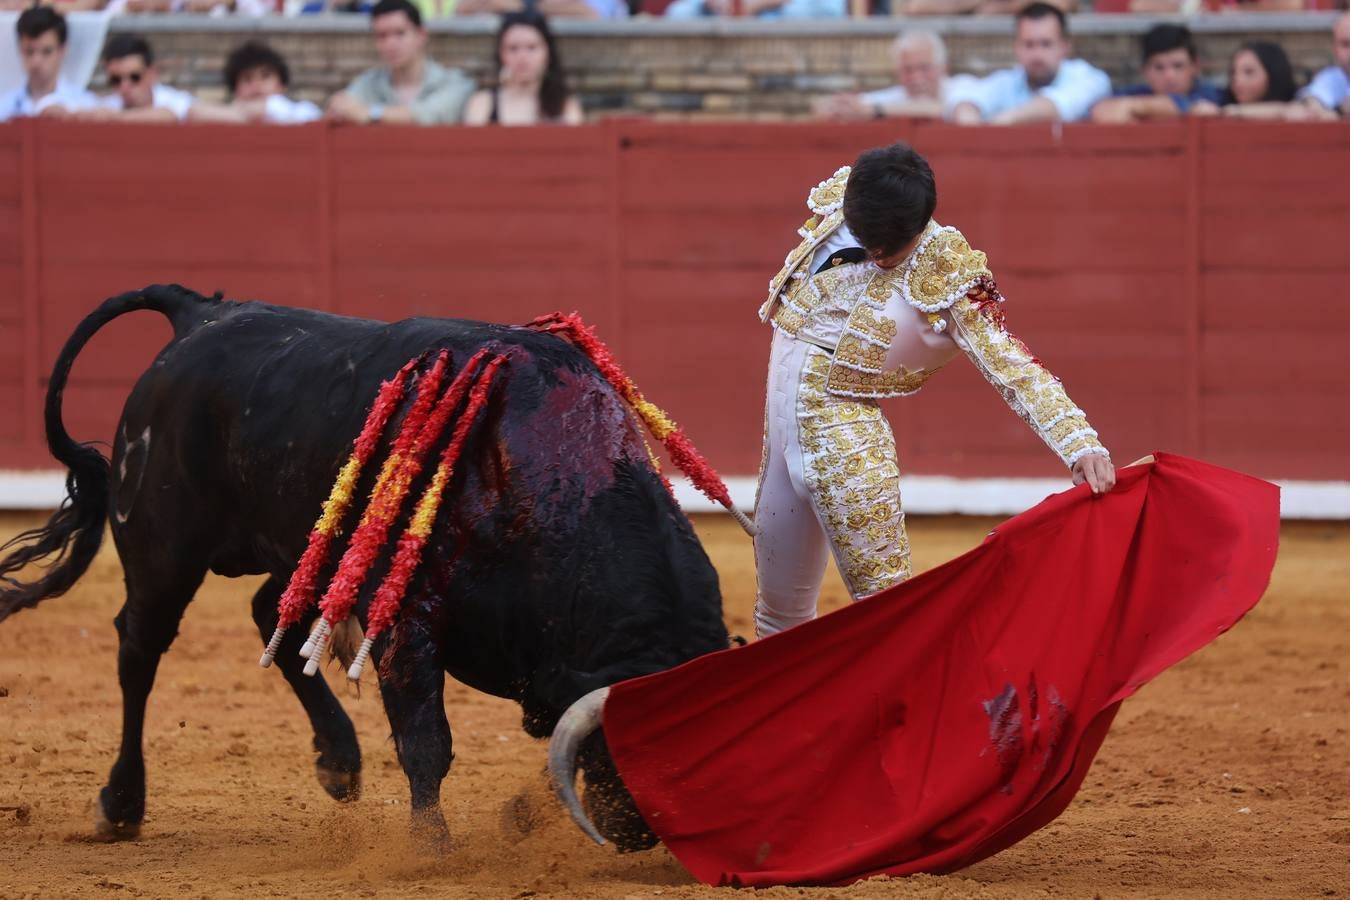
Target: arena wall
(1184, 280)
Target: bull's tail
(66, 545)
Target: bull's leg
(159, 587)
(412, 683)
(339, 762)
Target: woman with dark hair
(1260, 84)
(531, 88)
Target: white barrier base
(943, 495)
(924, 494)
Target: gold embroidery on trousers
(854, 478)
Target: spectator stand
(703, 68)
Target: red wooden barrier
(1184, 280)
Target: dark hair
(890, 197)
(553, 91)
(254, 55)
(1280, 85)
(389, 7)
(1041, 10)
(123, 45)
(1165, 38)
(35, 21)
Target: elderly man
(1328, 96)
(41, 34)
(922, 83)
(1045, 85)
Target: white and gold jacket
(889, 330)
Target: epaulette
(942, 268)
(828, 196)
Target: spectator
(137, 94)
(531, 88)
(1191, 7)
(1045, 84)
(978, 7)
(407, 87)
(257, 77)
(41, 34)
(1329, 94)
(436, 9)
(1171, 76)
(1260, 84)
(555, 9)
(762, 9)
(922, 87)
(199, 7)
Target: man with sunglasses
(41, 34)
(137, 94)
(875, 299)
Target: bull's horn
(581, 718)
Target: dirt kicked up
(1229, 776)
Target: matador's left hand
(1096, 469)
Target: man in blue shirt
(1046, 85)
(1171, 85)
(760, 9)
(1328, 96)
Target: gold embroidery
(854, 479)
(828, 196)
(788, 319)
(883, 283)
(879, 329)
(1067, 426)
(799, 254)
(857, 354)
(1032, 392)
(829, 282)
(847, 382)
(941, 270)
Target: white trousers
(829, 482)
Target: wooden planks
(664, 236)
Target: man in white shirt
(257, 77)
(41, 32)
(922, 83)
(138, 96)
(1045, 85)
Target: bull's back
(254, 411)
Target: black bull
(558, 564)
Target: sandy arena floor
(1227, 777)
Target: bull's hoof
(108, 831)
(345, 787)
(430, 836)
